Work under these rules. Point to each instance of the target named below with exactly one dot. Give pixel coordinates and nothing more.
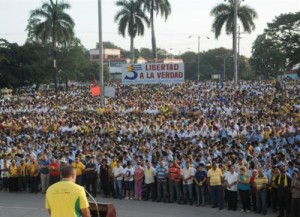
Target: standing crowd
(190, 143)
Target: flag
(95, 90)
(94, 81)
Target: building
(108, 53)
(115, 67)
(112, 58)
(292, 74)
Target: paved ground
(32, 205)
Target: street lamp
(198, 55)
(100, 55)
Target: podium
(105, 209)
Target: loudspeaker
(105, 209)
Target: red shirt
(174, 173)
(54, 169)
(253, 189)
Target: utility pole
(198, 54)
(236, 2)
(239, 43)
(100, 55)
(239, 37)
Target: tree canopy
(132, 18)
(223, 15)
(278, 48)
(158, 7)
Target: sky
(189, 17)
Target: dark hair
(66, 171)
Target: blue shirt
(200, 176)
(242, 186)
(161, 173)
(44, 163)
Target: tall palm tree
(50, 23)
(162, 7)
(131, 17)
(223, 14)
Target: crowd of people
(192, 143)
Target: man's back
(66, 198)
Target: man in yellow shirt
(65, 198)
(23, 176)
(113, 164)
(13, 176)
(79, 167)
(260, 182)
(33, 170)
(214, 177)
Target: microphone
(98, 214)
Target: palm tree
(224, 15)
(162, 7)
(50, 23)
(131, 17)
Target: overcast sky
(189, 17)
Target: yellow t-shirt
(112, 165)
(33, 169)
(260, 181)
(214, 176)
(23, 169)
(66, 198)
(267, 134)
(13, 171)
(79, 167)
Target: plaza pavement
(32, 205)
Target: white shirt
(128, 174)
(4, 174)
(149, 175)
(117, 171)
(230, 178)
(186, 173)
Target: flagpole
(100, 55)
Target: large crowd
(193, 143)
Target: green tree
(23, 65)
(190, 65)
(72, 60)
(284, 32)
(223, 14)
(35, 63)
(9, 66)
(212, 62)
(3, 45)
(146, 53)
(91, 71)
(162, 7)
(267, 58)
(50, 23)
(131, 17)
(162, 53)
(108, 44)
(278, 48)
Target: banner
(153, 73)
(109, 91)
